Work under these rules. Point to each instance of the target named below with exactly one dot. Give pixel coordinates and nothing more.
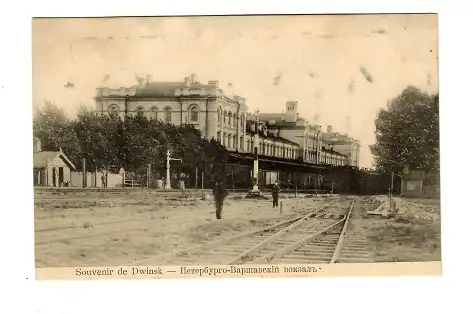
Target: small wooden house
(51, 168)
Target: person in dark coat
(103, 180)
(275, 193)
(219, 193)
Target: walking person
(219, 193)
(275, 193)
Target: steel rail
(232, 238)
(341, 239)
(294, 246)
(258, 247)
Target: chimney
(36, 145)
(193, 78)
(329, 129)
(141, 81)
(291, 111)
(213, 83)
(149, 78)
(187, 81)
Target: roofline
(61, 153)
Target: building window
(154, 113)
(229, 140)
(229, 119)
(194, 114)
(114, 110)
(140, 112)
(219, 113)
(224, 139)
(219, 137)
(242, 143)
(248, 146)
(167, 115)
(235, 120)
(234, 143)
(242, 121)
(224, 117)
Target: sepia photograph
(257, 145)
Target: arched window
(235, 120)
(234, 141)
(114, 110)
(167, 115)
(154, 113)
(229, 140)
(224, 117)
(140, 112)
(194, 114)
(219, 137)
(224, 139)
(229, 118)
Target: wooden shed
(51, 168)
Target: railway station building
(282, 136)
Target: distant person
(103, 180)
(275, 193)
(219, 193)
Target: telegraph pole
(256, 146)
(168, 167)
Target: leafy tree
(407, 132)
(52, 126)
(108, 142)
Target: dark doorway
(61, 176)
(54, 177)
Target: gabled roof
(334, 152)
(271, 137)
(41, 159)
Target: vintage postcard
(230, 146)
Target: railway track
(324, 235)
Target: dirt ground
(96, 229)
(115, 229)
(411, 236)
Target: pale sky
(334, 66)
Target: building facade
(227, 120)
(205, 106)
(343, 144)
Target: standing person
(275, 193)
(219, 193)
(103, 180)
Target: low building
(50, 168)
